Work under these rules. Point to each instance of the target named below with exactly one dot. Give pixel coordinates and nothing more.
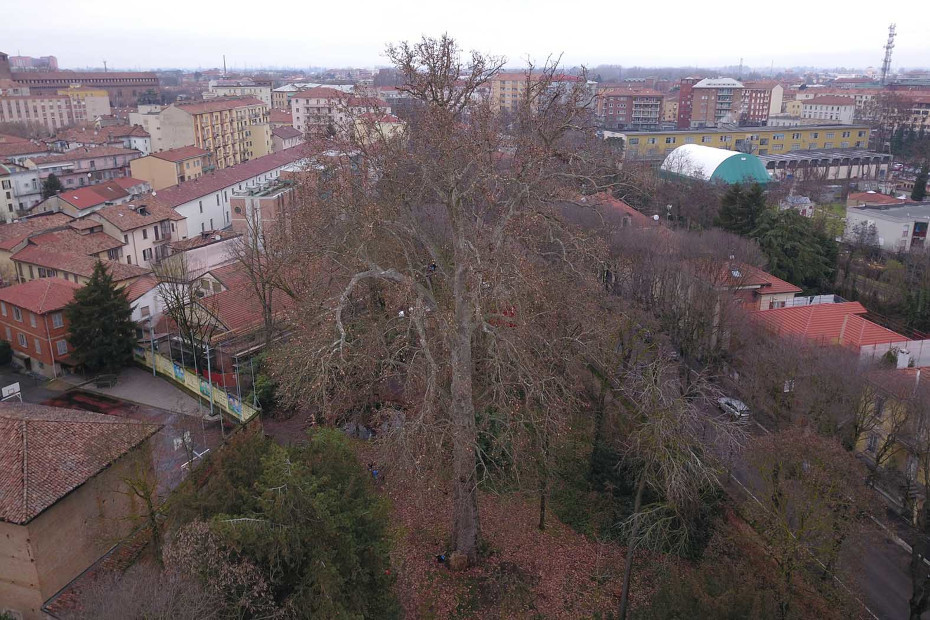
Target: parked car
(736, 409)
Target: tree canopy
(741, 208)
(101, 331)
(51, 186)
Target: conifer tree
(51, 186)
(102, 333)
(920, 183)
(740, 209)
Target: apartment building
(509, 90)
(830, 109)
(245, 87)
(53, 112)
(670, 109)
(285, 137)
(85, 166)
(259, 210)
(204, 202)
(760, 100)
(85, 200)
(629, 108)
(33, 322)
(20, 190)
(655, 145)
(174, 166)
(709, 102)
(323, 107)
(146, 229)
(234, 130)
(126, 136)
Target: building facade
(167, 168)
(829, 109)
(85, 166)
(654, 146)
(32, 320)
(246, 87)
(53, 112)
(627, 108)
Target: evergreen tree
(740, 209)
(51, 186)
(101, 329)
(920, 183)
(796, 251)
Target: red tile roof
(768, 284)
(13, 234)
(14, 149)
(320, 92)
(93, 195)
(92, 135)
(40, 296)
(70, 240)
(219, 104)
(618, 205)
(286, 132)
(24, 76)
(130, 184)
(139, 213)
(72, 262)
(874, 198)
(85, 153)
(177, 195)
(140, 287)
(6, 138)
(181, 153)
(204, 239)
(281, 116)
(47, 452)
(830, 100)
(837, 323)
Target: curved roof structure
(713, 164)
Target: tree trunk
(464, 433)
(631, 548)
(544, 481)
(598, 440)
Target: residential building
(233, 130)
(827, 320)
(145, 228)
(126, 136)
(324, 107)
(757, 289)
(508, 90)
(760, 99)
(842, 164)
(836, 109)
(123, 88)
(627, 108)
(63, 473)
(655, 145)
(20, 190)
(28, 63)
(258, 210)
(899, 225)
(281, 96)
(285, 137)
(206, 251)
(85, 200)
(244, 87)
(51, 111)
(204, 201)
(33, 322)
(18, 152)
(96, 101)
(13, 235)
(279, 117)
(174, 166)
(670, 109)
(85, 166)
(710, 102)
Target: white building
(840, 110)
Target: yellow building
(171, 167)
(670, 110)
(508, 90)
(233, 130)
(793, 108)
(95, 101)
(655, 145)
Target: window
(129, 260)
(9, 335)
(846, 134)
(17, 314)
(778, 136)
(861, 134)
(670, 140)
(651, 141)
(778, 147)
(32, 319)
(61, 347)
(3, 308)
(38, 344)
(144, 310)
(58, 320)
(872, 443)
(796, 136)
(147, 254)
(815, 135)
(706, 139)
(125, 238)
(200, 202)
(203, 227)
(633, 142)
(21, 339)
(828, 145)
(830, 134)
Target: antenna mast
(889, 46)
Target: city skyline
(133, 38)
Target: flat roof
(744, 129)
(904, 213)
(799, 155)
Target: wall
(87, 522)
(891, 233)
(169, 129)
(158, 172)
(19, 581)
(44, 331)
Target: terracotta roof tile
(85, 153)
(139, 213)
(14, 149)
(70, 240)
(177, 195)
(47, 452)
(15, 233)
(181, 153)
(286, 132)
(93, 195)
(830, 100)
(837, 323)
(281, 116)
(140, 287)
(40, 296)
(73, 262)
(219, 104)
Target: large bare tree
(432, 258)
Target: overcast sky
(301, 33)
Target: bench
(107, 381)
